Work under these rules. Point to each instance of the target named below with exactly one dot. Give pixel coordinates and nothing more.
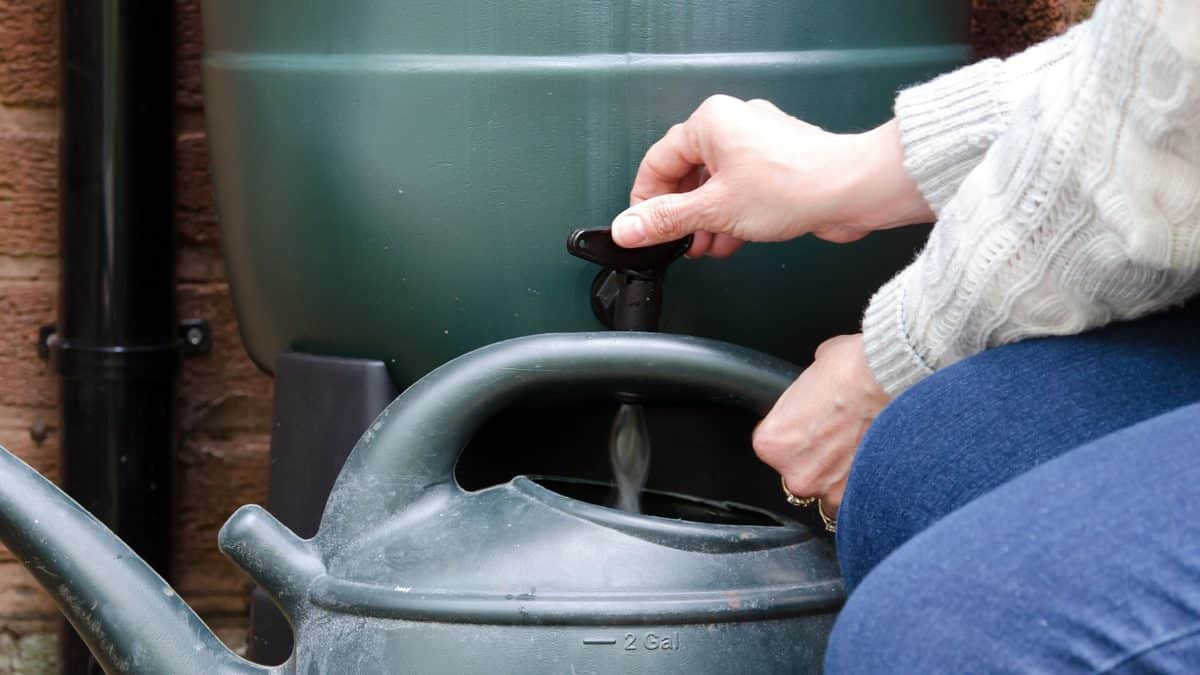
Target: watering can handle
(413, 445)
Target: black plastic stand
(322, 405)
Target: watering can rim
(336, 592)
(724, 605)
(679, 533)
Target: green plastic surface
(395, 180)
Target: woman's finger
(724, 245)
(832, 500)
(691, 181)
(671, 216)
(666, 163)
(701, 242)
(840, 234)
(765, 105)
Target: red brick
(225, 417)
(195, 208)
(28, 51)
(17, 437)
(24, 307)
(216, 477)
(198, 264)
(223, 391)
(189, 49)
(28, 193)
(24, 606)
(39, 454)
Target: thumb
(669, 217)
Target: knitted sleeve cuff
(891, 355)
(948, 123)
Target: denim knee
(909, 446)
(910, 616)
(985, 420)
(1104, 584)
(867, 507)
(871, 629)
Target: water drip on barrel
(629, 452)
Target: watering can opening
(699, 450)
(660, 504)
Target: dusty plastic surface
(395, 179)
(131, 620)
(410, 573)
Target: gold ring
(793, 499)
(830, 523)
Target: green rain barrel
(395, 180)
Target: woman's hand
(740, 171)
(812, 433)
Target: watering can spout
(132, 621)
(280, 562)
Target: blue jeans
(1035, 508)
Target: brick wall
(224, 402)
(28, 243)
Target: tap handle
(627, 293)
(596, 245)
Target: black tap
(627, 293)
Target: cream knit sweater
(1066, 181)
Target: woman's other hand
(739, 171)
(812, 433)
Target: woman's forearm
(948, 123)
(1084, 211)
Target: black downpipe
(116, 345)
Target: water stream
(629, 452)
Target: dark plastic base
(322, 406)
